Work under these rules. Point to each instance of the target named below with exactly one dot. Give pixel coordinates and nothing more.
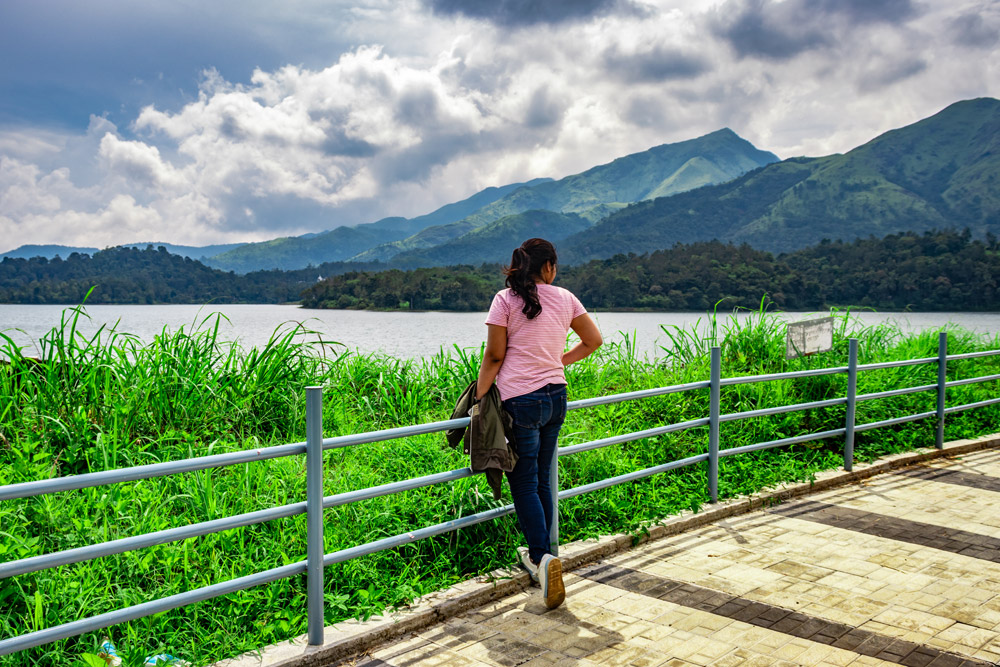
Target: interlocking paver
(903, 569)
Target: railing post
(314, 513)
(942, 378)
(852, 393)
(554, 481)
(713, 424)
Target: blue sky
(203, 122)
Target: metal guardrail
(315, 502)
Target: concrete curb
(350, 638)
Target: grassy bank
(111, 401)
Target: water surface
(400, 334)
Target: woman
(527, 327)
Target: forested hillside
(492, 244)
(128, 275)
(942, 172)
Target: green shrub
(111, 401)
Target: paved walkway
(903, 569)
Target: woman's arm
(590, 339)
(496, 349)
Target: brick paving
(915, 532)
(903, 569)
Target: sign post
(809, 337)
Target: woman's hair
(525, 268)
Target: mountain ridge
(719, 155)
(941, 172)
(341, 243)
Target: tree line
(136, 276)
(939, 270)
(123, 275)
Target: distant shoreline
(300, 306)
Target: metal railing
(315, 502)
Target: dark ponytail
(525, 268)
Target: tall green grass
(109, 401)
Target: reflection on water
(400, 334)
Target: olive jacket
(489, 438)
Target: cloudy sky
(238, 120)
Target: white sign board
(809, 337)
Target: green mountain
(940, 173)
(493, 243)
(297, 252)
(658, 172)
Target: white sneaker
(550, 578)
(527, 564)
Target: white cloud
(21, 192)
(138, 164)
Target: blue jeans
(538, 416)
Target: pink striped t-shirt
(534, 347)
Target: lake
(400, 334)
